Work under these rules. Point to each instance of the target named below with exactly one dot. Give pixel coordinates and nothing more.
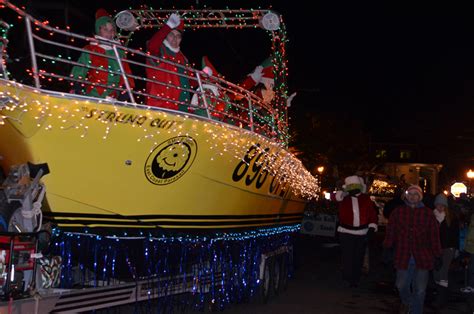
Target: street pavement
(316, 286)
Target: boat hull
(116, 165)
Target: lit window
(381, 153)
(405, 154)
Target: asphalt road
(316, 286)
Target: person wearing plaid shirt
(414, 233)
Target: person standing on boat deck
(110, 76)
(172, 90)
(357, 222)
(263, 79)
(449, 237)
(413, 231)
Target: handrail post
(124, 75)
(34, 66)
(203, 94)
(250, 114)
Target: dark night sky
(405, 70)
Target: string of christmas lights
(223, 266)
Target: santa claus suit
(97, 77)
(158, 47)
(357, 214)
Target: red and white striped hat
(415, 189)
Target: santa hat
(102, 17)
(208, 68)
(415, 189)
(267, 71)
(354, 183)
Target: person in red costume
(99, 80)
(172, 91)
(357, 221)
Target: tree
(331, 139)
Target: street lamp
(470, 175)
(320, 171)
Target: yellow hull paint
(117, 165)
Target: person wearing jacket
(99, 63)
(449, 237)
(469, 248)
(357, 220)
(413, 232)
(171, 86)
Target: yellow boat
(124, 164)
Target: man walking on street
(414, 233)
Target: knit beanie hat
(102, 17)
(441, 199)
(415, 188)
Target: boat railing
(55, 52)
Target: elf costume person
(170, 90)
(217, 101)
(262, 74)
(100, 69)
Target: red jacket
(357, 214)
(158, 49)
(413, 232)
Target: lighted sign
(458, 188)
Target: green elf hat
(102, 17)
(267, 71)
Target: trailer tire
(284, 272)
(266, 284)
(276, 275)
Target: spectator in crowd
(449, 237)
(99, 67)
(357, 222)
(469, 249)
(414, 233)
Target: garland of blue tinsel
(223, 267)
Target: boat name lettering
(127, 118)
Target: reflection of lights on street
(327, 195)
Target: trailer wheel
(276, 275)
(284, 273)
(266, 285)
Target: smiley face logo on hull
(170, 160)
